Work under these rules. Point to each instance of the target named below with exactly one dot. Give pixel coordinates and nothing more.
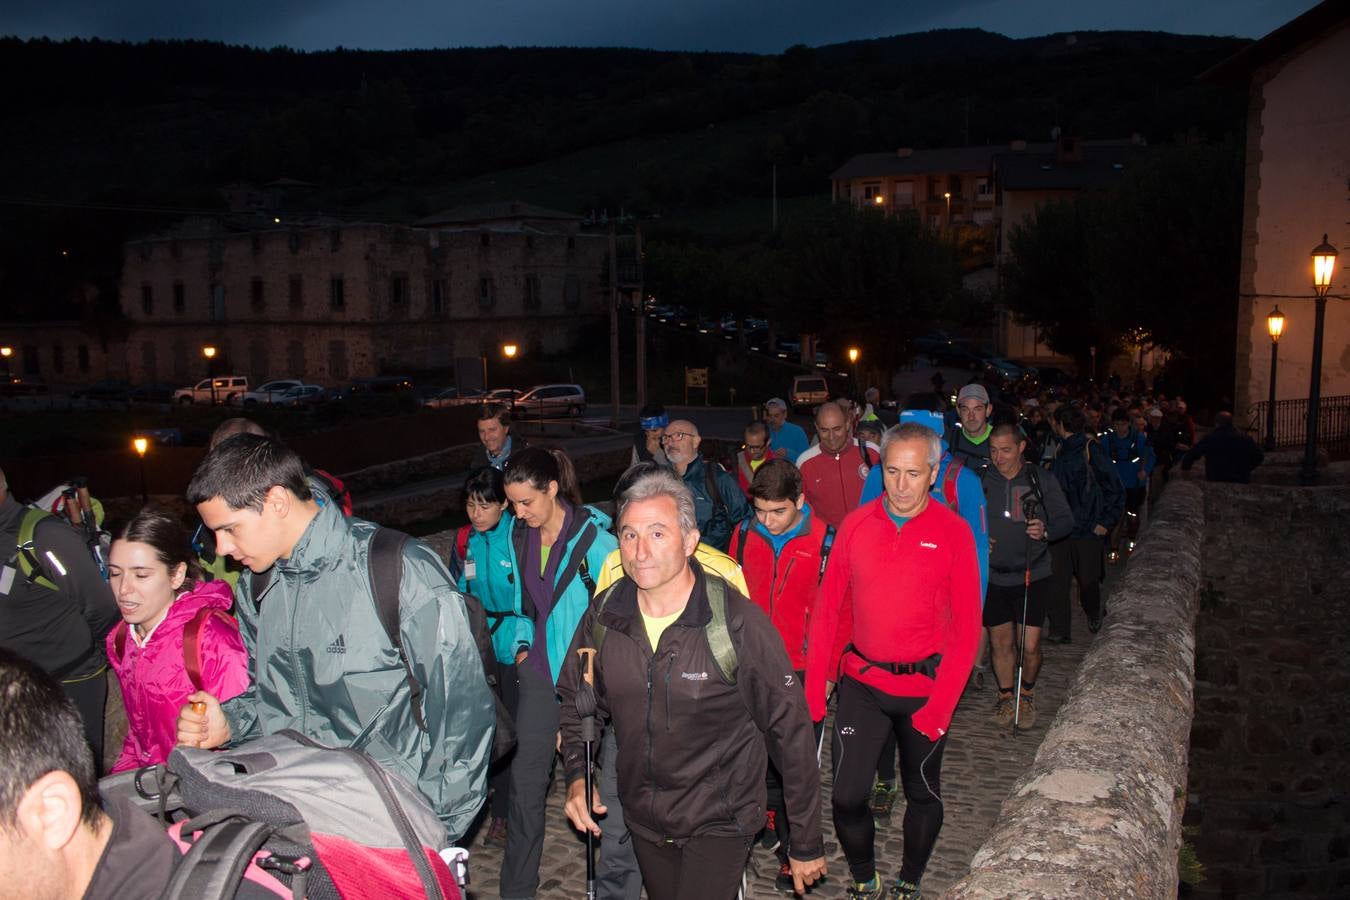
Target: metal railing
(1291, 422)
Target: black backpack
(386, 571)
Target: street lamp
(1324, 269)
(140, 445)
(1274, 325)
(510, 350)
(947, 195)
(853, 355)
(5, 354)
(210, 353)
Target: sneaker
(768, 838)
(496, 833)
(905, 890)
(872, 890)
(883, 798)
(1026, 712)
(783, 883)
(1003, 710)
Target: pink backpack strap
(192, 636)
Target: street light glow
(6, 352)
(209, 352)
(852, 354)
(1324, 266)
(878, 199)
(509, 350)
(1275, 324)
(140, 445)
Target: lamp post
(5, 354)
(1324, 269)
(510, 351)
(1274, 325)
(140, 445)
(853, 358)
(947, 195)
(210, 353)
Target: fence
(1291, 422)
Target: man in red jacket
(833, 471)
(910, 566)
(782, 553)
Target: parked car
(808, 391)
(447, 397)
(1004, 370)
(382, 384)
(226, 386)
(155, 392)
(502, 395)
(301, 395)
(266, 393)
(110, 391)
(551, 400)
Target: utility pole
(640, 326)
(613, 330)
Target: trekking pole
(585, 700)
(1028, 513)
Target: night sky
(763, 26)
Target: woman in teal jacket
(483, 564)
(559, 545)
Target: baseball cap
(1153, 412)
(930, 420)
(975, 391)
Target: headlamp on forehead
(651, 423)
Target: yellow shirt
(710, 558)
(657, 626)
(756, 463)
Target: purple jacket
(155, 682)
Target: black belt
(500, 617)
(999, 570)
(926, 666)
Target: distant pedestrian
(1229, 454)
(494, 433)
(754, 451)
(835, 469)
(1133, 458)
(652, 422)
(970, 439)
(718, 500)
(787, 440)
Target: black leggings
(862, 720)
(700, 868)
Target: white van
(808, 392)
(226, 386)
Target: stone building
(1297, 188)
(329, 301)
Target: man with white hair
(718, 501)
(787, 440)
(910, 636)
(693, 789)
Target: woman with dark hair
(484, 565)
(559, 546)
(176, 635)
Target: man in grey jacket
(322, 662)
(1026, 512)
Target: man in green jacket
(322, 663)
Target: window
(982, 187)
(532, 296)
(295, 358)
(487, 292)
(571, 244)
(438, 297)
(336, 296)
(179, 298)
(58, 358)
(215, 249)
(398, 291)
(293, 241)
(217, 310)
(872, 195)
(571, 292)
(954, 185)
(147, 300)
(297, 293)
(337, 360)
(149, 362)
(32, 364)
(904, 193)
(82, 358)
(256, 243)
(256, 297)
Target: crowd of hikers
(733, 598)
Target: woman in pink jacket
(176, 637)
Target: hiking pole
(1028, 513)
(585, 700)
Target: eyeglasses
(676, 436)
(754, 448)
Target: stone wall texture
(1270, 748)
(1099, 812)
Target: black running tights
(862, 720)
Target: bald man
(833, 471)
(719, 504)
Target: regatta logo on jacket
(694, 676)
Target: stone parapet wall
(1098, 814)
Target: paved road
(981, 763)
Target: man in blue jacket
(1097, 499)
(717, 497)
(1133, 458)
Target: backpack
(25, 551)
(386, 571)
(288, 817)
(950, 495)
(826, 545)
(192, 633)
(716, 631)
(336, 488)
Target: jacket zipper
(670, 667)
(651, 737)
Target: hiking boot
(783, 883)
(883, 798)
(1003, 710)
(873, 890)
(1026, 711)
(496, 833)
(905, 890)
(768, 838)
